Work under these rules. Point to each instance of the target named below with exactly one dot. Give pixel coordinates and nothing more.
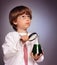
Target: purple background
(44, 22)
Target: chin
(26, 28)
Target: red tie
(25, 55)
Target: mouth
(27, 23)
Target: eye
(23, 16)
(28, 16)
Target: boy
(17, 49)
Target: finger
(41, 54)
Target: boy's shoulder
(14, 33)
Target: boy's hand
(36, 56)
(24, 38)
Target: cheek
(20, 24)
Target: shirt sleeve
(9, 47)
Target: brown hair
(15, 12)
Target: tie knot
(25, 45)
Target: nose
(28, 20)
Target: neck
(22, 30)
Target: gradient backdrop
(44, 22)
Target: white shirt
(13, 50)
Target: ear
(14, 22)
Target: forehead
(24, 14)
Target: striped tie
(25, 55)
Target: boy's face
(23, 21)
